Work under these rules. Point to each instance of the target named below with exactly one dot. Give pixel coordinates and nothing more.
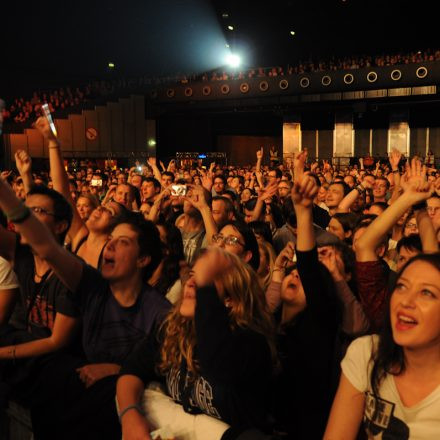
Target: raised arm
(66, 266)
(59, 175)
(198, 199)
(303, 193)
(153, 215)
(350, 198)
(24, 166)
(156, 172)
(416, 189)
(260, 153)
(264, 194)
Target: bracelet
(396, 171)
(278, 269)
(136, 406)
(419, 206)
(19, 215)
(360, 189)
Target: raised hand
(152, 162)
(196, 196)
(299, 160)
(326, 166)
(207, 181)
(210, 265)
(5, 174)
(268, 191)
(414, 183)
(260, 154)
(43, 126)
(395, 157)
(285, 256)
(304, 192)
(23, 162)
(333, 262)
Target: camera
(178, 190)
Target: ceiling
(50, 42)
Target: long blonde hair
(247, 309)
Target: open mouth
(109, 261)
(405, 322)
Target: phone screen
(178, 190)
(48, 115)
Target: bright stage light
(233, 60)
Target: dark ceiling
(50, 42)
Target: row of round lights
(304, 82)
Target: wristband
(360, 189)
(136, 406)
(396, 171)
(419, 206)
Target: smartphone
(96, 182)
(48, 115)
(139, 168)
(178, 190)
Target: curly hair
(248, 310)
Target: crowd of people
(221, 302)
(22, 110)
(333, 64)
(25, 110)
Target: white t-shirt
(393, 420)
(8, 279)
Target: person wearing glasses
(86, 238)
(117, 308)
(237, 238)
(46, 316)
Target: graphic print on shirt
(201, 396)
(42, 313)
(379, 421)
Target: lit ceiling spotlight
(225, 15)
(111, 65)
(231, 28)
(227, 45)
(292, 33)
(233, 60)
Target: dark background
(50, 43)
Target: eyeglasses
(230, 240)
(411, 225)
(40, 210)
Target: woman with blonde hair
(215, 357)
